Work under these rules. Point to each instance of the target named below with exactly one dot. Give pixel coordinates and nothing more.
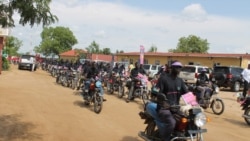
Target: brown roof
(72, 53)
(221, 55)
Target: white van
(151, 70)
(189, 73)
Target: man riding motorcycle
(133, 75)
(92, 72)
(172, 87)
(202, 84)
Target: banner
(141, 54)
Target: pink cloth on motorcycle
(143, 77)
(189, 98)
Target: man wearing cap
(172, 87)
(202, 84)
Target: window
(157, 62)
(153, 67)
(131, 61)
(190, 63)
(188, 69)
(146, 66)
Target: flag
(141, 54)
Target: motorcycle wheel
(58, 79)
(144, 97)
(247, 113)
(111, 88)
(73, 84)
(98, 101)
(111, 91)
(120, 91)
(217, 106)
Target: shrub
(5, 64)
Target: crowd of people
(168, 83)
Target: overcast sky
(127, 24)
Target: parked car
(228, 76)
(189, 73)
(151, 70)
(26, 62)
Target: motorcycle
(121, 85)
(189, 123)
(92, 94)
(113, 83)
(245, 104)
(140, 89)
(210, 99)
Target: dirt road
(34, 108)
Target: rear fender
(246, 104)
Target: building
(74, 55)
(205, 59)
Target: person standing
(32, 65)
(246, 76)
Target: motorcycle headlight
(217, 89)
(200, 119)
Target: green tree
(31, 12)
(106, 51)
(81, 53)
(12, 46)
(121, 51)
(56, 40)
(153, 48)
(191, 44)
(93, 48)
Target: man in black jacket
(172, 87)
(134, 72)
(202, 84)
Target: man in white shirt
(32, 60)
(246, 76)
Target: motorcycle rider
(122, 69)
(172, 87)
(142, 70)
(91, 73)
(202, 84)
(163, 70)
(116, 68)
(134, 72)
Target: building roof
(72, 53)
(220, 55)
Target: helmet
(176, 64)
(203, 70)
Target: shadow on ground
(128, 138)
(11, 128)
